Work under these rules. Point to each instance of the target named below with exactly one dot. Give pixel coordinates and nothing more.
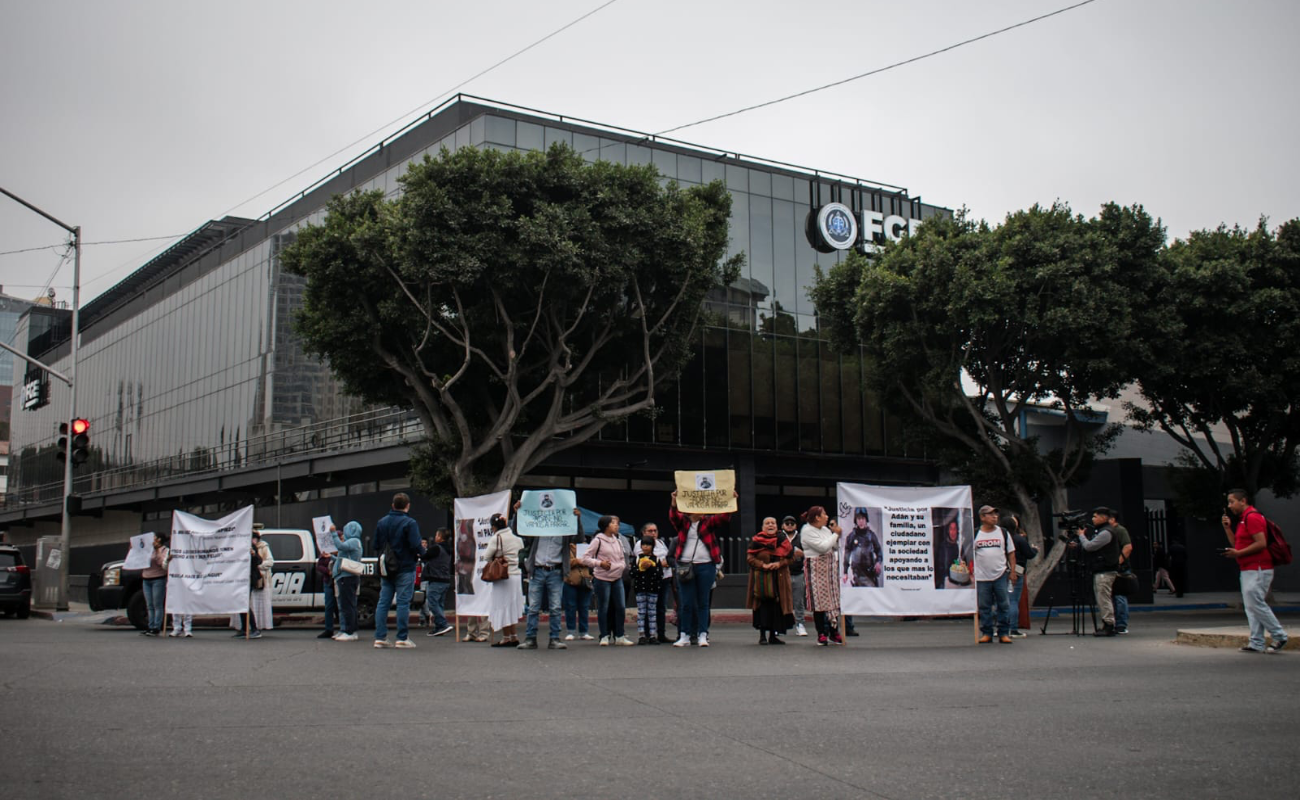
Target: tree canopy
(1228, 373)
(517, 302)
(968, 325)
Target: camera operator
(1103, 545)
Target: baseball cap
(986, 509)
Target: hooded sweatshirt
(350, 547)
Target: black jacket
(436, 562)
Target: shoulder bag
(498, 569)
(351, 567)
(685, 572)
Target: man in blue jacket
(399, 533)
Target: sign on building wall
(36, 389)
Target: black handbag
(1126, 584)
(685, 572)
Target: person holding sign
(697, 555)
(769, 557)
(155, 586)
(347, 584)
(820, 537)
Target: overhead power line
(877, 71)
(88, 244)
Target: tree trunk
(1047, 559)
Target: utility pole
(65, 531)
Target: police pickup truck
(296, 587)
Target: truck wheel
(137, 611)
(366, 603)
(25, 610)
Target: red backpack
(1278, 549)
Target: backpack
(388, 567)
(1278, 549)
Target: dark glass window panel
(554, 135)
(691, 396)
(737, 178)
(785, 236)
(689, 169)
(587, 146)
(832, 430)
(760, 253)
(477, 133)
(805, 263)
(810, 431)
(893, 435)
(665, 162)
(500, 130)
(638, 155)
(740, 388)
(640, 427)
(613, 151)
(783, 187)
(786, 385)
(764, 393)
(714, 385)
(712, 170)
(668, 419)
(530, 136)
(851, 402)
(760, 182)
(739, 241)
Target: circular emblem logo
(836, 225)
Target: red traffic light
(80, 426)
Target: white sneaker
(568, 638)
(587, 637)
(347, 637)
(703, 640)
(405, 644)
(380, 644)
(605, 640)
(174, 635)
(800, 630)
(623, 641)
(338, 636)
(682, 641)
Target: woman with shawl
(769, 556)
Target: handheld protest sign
(324, 539)
(706, 491)
(547, 512)
(140, 553)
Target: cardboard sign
(324, 539)
(706, 491)
(547, 512)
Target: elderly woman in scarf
(770, 555)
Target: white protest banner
(140, 553)
(324, 539)
(210, 563)
(547, 512)
(473, 533)
(706, 491)
(904, 550)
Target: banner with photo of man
(710, 491)
(905, 550)
(547, 512)
(473, 535)
(210, 561)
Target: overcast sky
(144, 119)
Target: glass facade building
(191, 365)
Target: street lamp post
(65, 530)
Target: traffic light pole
(65, 530)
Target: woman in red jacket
(698, 546)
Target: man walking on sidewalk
(1250, 548)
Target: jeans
(331, 607)
(546, 582)
(797, 588)
(404, 587)
(155, 597)
(1013, 601)
(646, 607)
(610, 606)
(182, 623)
(1121, 612)
(990, 594)
(434, 592)
(693, 617)
(345, 590)
(1254, 588)
(577, 608)
(1102, 585)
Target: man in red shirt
(1250, 548)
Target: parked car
(15, 583)
(295, 585)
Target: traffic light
(80, 441)
(62, 454)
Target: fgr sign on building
(834, 227)
(36, 389)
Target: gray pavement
(908, 710)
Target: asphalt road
(908, 710)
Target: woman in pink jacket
(607, 560)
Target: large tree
(1226, 383)
(969, 325)
(517, 302)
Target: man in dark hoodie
(436, 579)
(399, 534)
